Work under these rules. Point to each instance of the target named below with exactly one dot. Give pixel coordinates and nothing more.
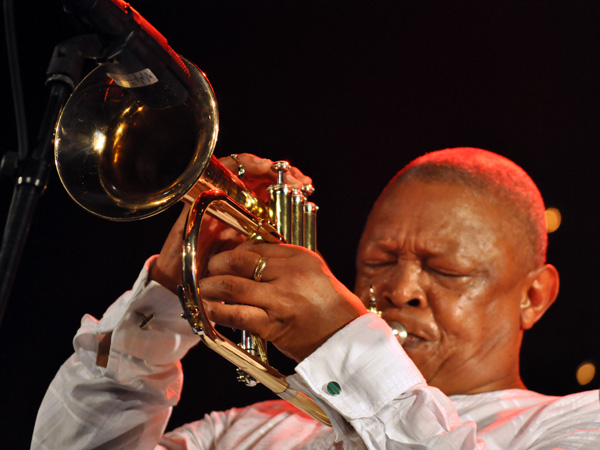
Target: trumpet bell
(126, 153)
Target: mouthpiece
(399, 331)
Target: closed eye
(378, 263)
(446, 273)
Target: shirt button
(334, 388)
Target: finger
(261, 167)
(256, 167)
(235, 290)
(297, 175)
(166, 269)
(253, 166)
(241, 317)
(240, 263)
(272, 250)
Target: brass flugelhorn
(126, 152)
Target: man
(454, 249)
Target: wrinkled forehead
(442, 209)
(445, 196)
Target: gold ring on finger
(260, 268)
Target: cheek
(453, 319)
(459, 314)
(480, 313)
(367, 277)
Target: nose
(404, 286)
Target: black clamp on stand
(30, 172)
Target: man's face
(443, 262)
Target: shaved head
(499, 179)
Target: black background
(348, 91)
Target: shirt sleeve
(128, 403)
(375, 395)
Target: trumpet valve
(308, 189)
(243, 377)
(280, 167)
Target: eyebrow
(431, 248)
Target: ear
(541, 293)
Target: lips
(412, 340)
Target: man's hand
(297, 305)
(214, 236)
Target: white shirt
(384, 401)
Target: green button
(333, 388)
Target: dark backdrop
(349, 91)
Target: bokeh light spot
(586, 373)
(553, 219)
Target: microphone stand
(32, 171)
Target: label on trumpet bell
(144, 77)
